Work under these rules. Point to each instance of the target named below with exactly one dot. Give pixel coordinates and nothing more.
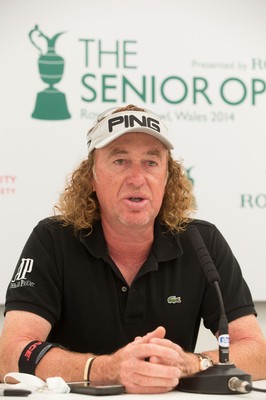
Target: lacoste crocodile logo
(174, 300)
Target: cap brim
(117, 124)
(148, 131)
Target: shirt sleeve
(36, 285)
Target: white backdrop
(200, 64)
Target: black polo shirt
(70, 280)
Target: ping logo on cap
(110, 127)
(132, 120)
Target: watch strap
(205, 361)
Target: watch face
(205, 363)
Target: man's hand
(149, 364)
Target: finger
(162, 340)
(174, 357)
(150, 375)
(180, 358)
(159, 371)
(166, 343)
(159, 332)
(143, 351)
(146, 354)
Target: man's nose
(136, 175)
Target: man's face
(130, 176)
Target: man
(113, 278)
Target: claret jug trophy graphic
(50, 103)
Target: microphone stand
(224, 377)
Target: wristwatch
(205, 361)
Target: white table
(166, 396)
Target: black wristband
(32, 355)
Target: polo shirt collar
(166, 246)
(94, 241)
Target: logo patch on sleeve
(20, 278)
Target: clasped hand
(150, 364)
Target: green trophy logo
(50, 103)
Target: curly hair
(78, 204)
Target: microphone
(224, 377)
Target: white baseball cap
(110, 125)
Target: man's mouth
(136, 199)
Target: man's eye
(119, 161)
(152, 163)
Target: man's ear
(93, 180)
(93, 184)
